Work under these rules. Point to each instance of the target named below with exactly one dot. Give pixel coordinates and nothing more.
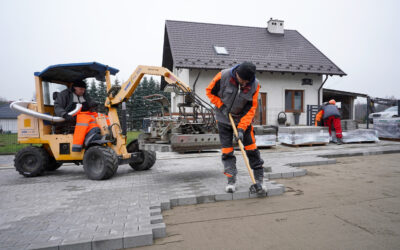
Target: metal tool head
(255, 188)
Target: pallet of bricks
(303, 135)
(388, 128)
(352, 134)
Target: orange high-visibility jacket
(85, 121)
(318, 117)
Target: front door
(261, 113)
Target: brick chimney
(275, 26)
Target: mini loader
(49, 149)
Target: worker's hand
(240, 135)
(224, 110)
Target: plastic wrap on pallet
(357, 135)
(387, 128)
(265, 140)
(349, 125)
(303, 135)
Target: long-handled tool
(256, 187)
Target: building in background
(291, 69)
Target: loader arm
(126, 91)
(129, 87)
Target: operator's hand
(69, 118)
(224, 110)
(240, 135)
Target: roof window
(221, 50)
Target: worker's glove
(69, 118)
(224, 110)
(240, 135)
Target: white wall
(9, 125)
(273, 84)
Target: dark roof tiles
(192, 46)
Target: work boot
(231, 186)
(259, 177)
(339, 141)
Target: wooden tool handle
(246, 160)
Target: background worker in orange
(329, 116)
(235, 91)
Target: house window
(294, 100)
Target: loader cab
(48, 83)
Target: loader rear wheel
(31, 161)
(100, 163)
(149, 157)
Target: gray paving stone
(224, 197)
(77, 244)
(188, 200)
(205, 199)
(107, 243)
(156, 219)
(138, 238)
(287, 175)
(238, 195)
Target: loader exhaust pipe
(22, 107)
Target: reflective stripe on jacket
(224, 89)
(85, 121)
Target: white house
(290, 69)
(8, 119)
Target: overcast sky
(361, 37)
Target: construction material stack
(303, 135)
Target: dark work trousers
(228, 158)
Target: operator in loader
(86, 127)
(235, 91)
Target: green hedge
(9, 144)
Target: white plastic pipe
(22, 107)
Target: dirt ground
(353, 204)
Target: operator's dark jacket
(64, 104)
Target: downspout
(319, 91)
(195, 81)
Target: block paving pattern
(65, 210)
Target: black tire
(100, 163)
(149, 157)
(31, 161)
(52, 164)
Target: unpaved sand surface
(354, 204)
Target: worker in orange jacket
(329, 116)
(235, 91)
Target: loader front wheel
(31, 161)
(148, 157)
(100, 163)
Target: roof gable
(7, 113)
(192, 46)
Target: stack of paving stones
(303, 135)
(265, 135)
(387, 128)
(352, 134)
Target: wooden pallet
(305, 144)
(389, 139)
